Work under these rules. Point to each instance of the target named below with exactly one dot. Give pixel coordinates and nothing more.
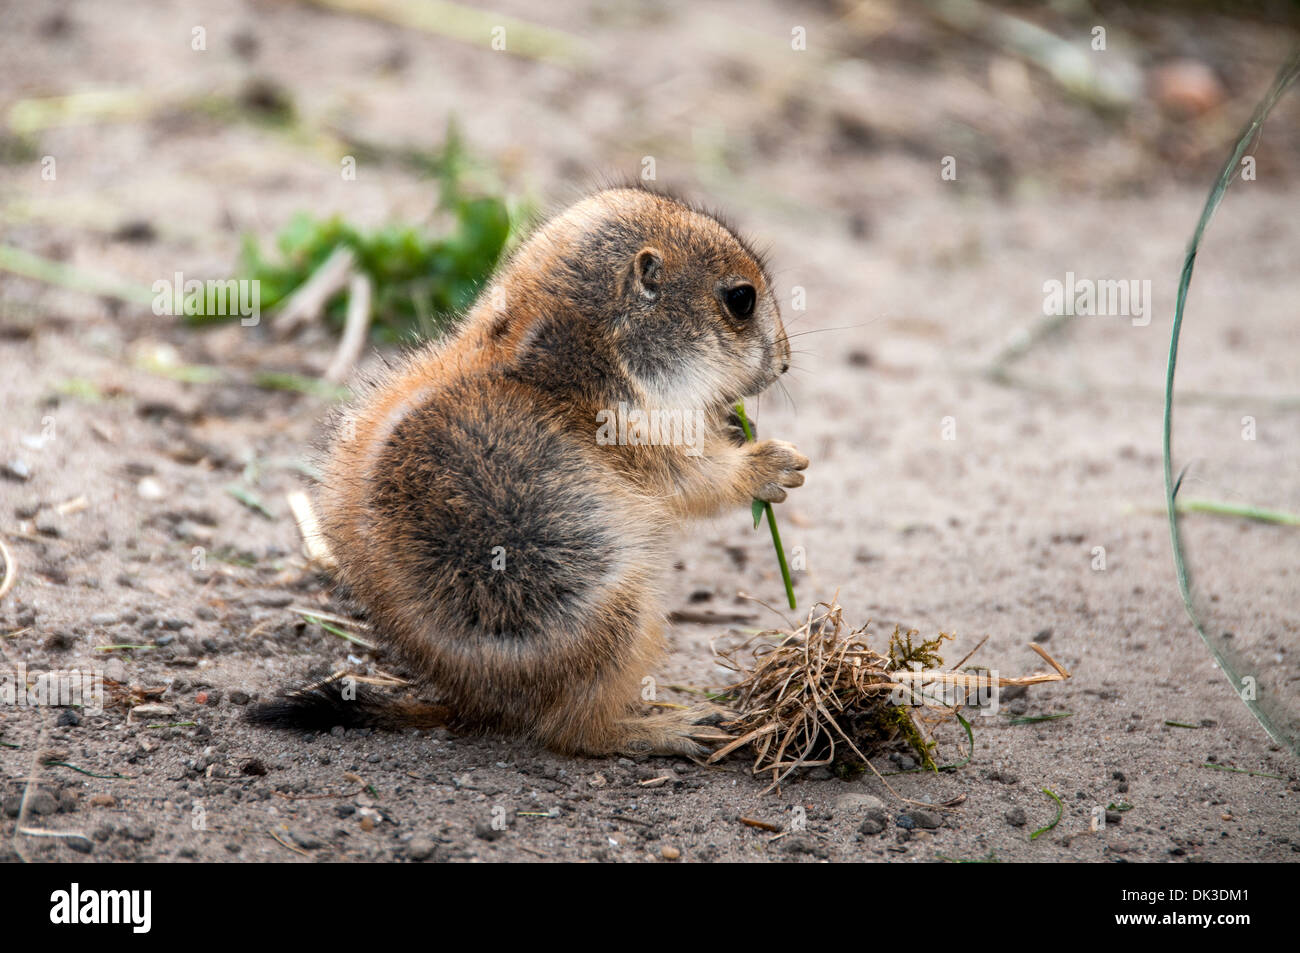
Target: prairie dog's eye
(740, 300)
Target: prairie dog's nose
(782, 344)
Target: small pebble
(927, 819)
(874, 822)
(483, 830)
(858, 804)
(306, 841)
(47, 524)
(150, 489)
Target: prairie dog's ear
(647, 270)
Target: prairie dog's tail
(343, 703)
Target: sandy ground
(917, 286)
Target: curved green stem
(771, 518)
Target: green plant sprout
(759, 508)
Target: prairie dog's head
(687, 306)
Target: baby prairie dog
(501, 511)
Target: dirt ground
(921, 289)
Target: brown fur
(488, 439)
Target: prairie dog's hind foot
(674, 732)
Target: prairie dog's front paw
(774, 466)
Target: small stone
(43, 802)
(1114, 817)
(1186, 87)
(905, 822)
(420, 848)
(150, 710)
(803, 844)
(858, 804)
(18, 470)
(485, 831)
(1015, 817)
(273, 600)
(150, 489)
(60, 640)
(68, 800)
(927, 819)
(82, 845)
(102, 800)
(191, 532)
(47, 524)
(239, 698)
(306, 841)
(68, 718)
(874, 822)
(670, 853)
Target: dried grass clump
(822, 695)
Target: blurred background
(920, 171)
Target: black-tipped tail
(347, 704)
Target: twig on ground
(354, 331)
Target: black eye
(740, 300)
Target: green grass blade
(1285, 77)
(771, 518)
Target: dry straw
(822, 694)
